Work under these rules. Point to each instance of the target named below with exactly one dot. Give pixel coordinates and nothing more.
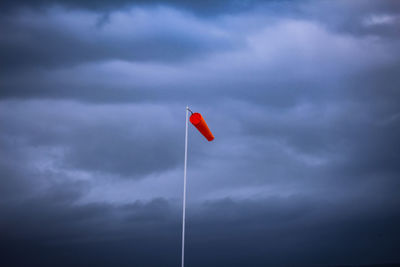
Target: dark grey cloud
(99, 139)
(162, 35)
(240, 53)
(202, 7)
(376, 18)
(302, 98)
(314, 233)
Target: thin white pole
(184, 188)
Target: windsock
(197, 120)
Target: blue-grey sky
(302, 98)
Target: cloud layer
(303, 103)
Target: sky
(302, 97)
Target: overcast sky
(302, 97)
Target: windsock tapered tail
(198, 121)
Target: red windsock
(197, 120)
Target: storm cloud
(302, 98)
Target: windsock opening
(198, 121)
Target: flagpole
(184, 188)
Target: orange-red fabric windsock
(197, 120)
